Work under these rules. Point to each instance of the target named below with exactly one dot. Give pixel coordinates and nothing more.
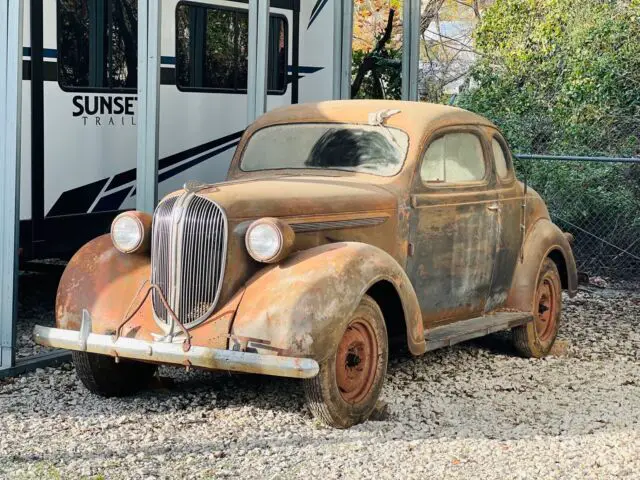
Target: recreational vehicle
(79, 102)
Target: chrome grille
(188, 255)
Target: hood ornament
(194, 186)
(377, 119)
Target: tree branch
(429, 13)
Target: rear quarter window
(454, 158)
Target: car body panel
(300, 307)
(455, 241)
(543, 239)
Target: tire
(343, 395)
(535, 339)
(103, 376)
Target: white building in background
(453, 55)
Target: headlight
(269, 240)
(130, 232)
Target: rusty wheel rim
(546, 306)
(356, 361)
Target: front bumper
(173, 353)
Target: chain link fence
(598, 201)
(561, 78)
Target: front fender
(301, 306)
(544, 240)
(102, 280)
(108, 283)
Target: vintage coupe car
(342, 225)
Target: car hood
(295, 196)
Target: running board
(457, 332)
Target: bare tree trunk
(369, 62)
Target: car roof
(414, 117)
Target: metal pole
(342, 42)
(347, 49)
(11, 16)
(258, 58)
(149, 25)
(410, 49)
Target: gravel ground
(36, 299)
(471, 411)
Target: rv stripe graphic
(167, 70)
(122, 186)
(317, 9)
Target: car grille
(188, 255)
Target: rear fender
(300, 307)
(544, 240)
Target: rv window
(98, 44)
(212, 49)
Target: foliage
(386, 81)
(563, 77)
(377, 49)
(370, 20)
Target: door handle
(494, 207)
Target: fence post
(11, 15)
(149, 26)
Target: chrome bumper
(173, 353)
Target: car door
(510, 198)
(453, 226)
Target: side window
(502, 167)
(98, 44)
(453, 158)
(212, 49)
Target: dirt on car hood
(295, 196)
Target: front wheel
(345, 391)
(535, 339)
(103, 376)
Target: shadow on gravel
(36, 302)
(176, 390)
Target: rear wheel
(535, 339)
(103, 376)
(345, 391)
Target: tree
(377, 49)
(563, 77)
(377, 46)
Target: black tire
(364, 343)
(535, 339)
(103, 376)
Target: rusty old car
(341, 226)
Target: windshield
(379, 150)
